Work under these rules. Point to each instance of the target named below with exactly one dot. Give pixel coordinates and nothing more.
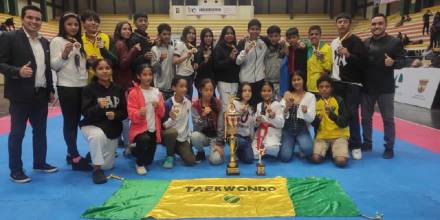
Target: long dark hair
(202, 37)
(240, 94)
(96, 64)
(117, 35)
(213, 101)
(267, 83)
(300, 74)
(62, 32)
(223, 33)
(141, 69)
(185, 32)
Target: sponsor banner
(211, 10)
(416, 86)
(388, 1)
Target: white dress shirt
(38, 51)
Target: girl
(103, 108)
(269, 120)
(299, 112)
(123, 74)
(205, 116)
(203, 57)
(245, 131)
(68, 59)
(225, 69)
(176, 124)
(184, 57)
(145, 110)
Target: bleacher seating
(413, 28)
(302, 22)
(48, 29)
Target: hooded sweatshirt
(95, 115)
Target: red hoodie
(135, 102)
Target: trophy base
(232, 171)
(260, 170)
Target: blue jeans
(289, 140)
(244, 149)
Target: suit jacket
(15, 52)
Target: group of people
(140, 90)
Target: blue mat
(407, 187)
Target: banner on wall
(211, 10)
(387, 1)
(416, 86)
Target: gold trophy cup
(231, 118)
(260, 166)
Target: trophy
(260, 148)
(231, 117)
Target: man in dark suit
(25, 63)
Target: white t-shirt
(151, 95)
(184, 68)
(338, 59)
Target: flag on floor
(224, 197)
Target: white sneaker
(356, 154)
(140, 170)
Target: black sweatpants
(145, 148)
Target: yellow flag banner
(224, 198)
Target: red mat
(5, 122)
(420, 135)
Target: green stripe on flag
(320, 197)
(133, 200)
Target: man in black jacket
(25, 63)
(349, 57)
(385, 53)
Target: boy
(296, 60)
(162, 61)
(96, 44)
(319, 58)
(349, 58)
(274, 57)
(251, 59)
(331, 125)
(140, 36)
(176, 120)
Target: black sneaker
(46, 168)
(367, 147)
(69, 159)
(200, 156)
(99, 177)
(82, 165)
(19, 177)
(388, 153)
